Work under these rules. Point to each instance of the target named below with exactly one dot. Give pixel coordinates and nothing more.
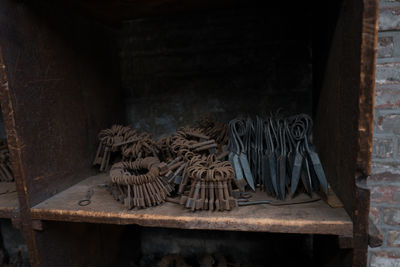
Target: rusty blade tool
(305, 174)
(238, 131)
(290, 155)
(313, 156)
(298, 161)
(233, 157)
(272, 158)
(258, 147)
(297, 132)
(248, 143)
(282, 161)
(266, 166)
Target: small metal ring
(84, 202)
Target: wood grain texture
(345, 113)
(315, 217)
(369, 40)
(56, 94)
(15, 148)
(369, 44)
(8, 200)
(338, 111)
(60, 87)
(360, 236)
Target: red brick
(385, 47)
(384, 259)
(389, 19)
(375, 215)
(386, 98)
(383, 193)
(391, 216)
(385, 177)
(393, 238)
(387, 73)
(388, 124)
(382, 148)
(396, 196)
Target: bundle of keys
(138, 184)
(125, 140)
(210, 185)
(110, 141)
(184, 145)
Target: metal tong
(237, 155)
(275, 153)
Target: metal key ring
(84, 202)
(245, 195)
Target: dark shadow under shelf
(310, 218)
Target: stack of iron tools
(6, 174)
(123, 141)
(187, 164)
(275, 153)
(205, 165)
(138, 183)
(202, 180)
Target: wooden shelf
(8, 200)
(316, 217)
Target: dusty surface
(316, 217)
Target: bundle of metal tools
(138, 183)
(274, 153)
(6, 174)
(127, 142)
(207, 166)
(187, 164)
(211, 187)
(194, 163)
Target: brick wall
(385, 181)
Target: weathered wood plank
(316, 217)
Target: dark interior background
(229, 62)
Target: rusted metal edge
(187, 222)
